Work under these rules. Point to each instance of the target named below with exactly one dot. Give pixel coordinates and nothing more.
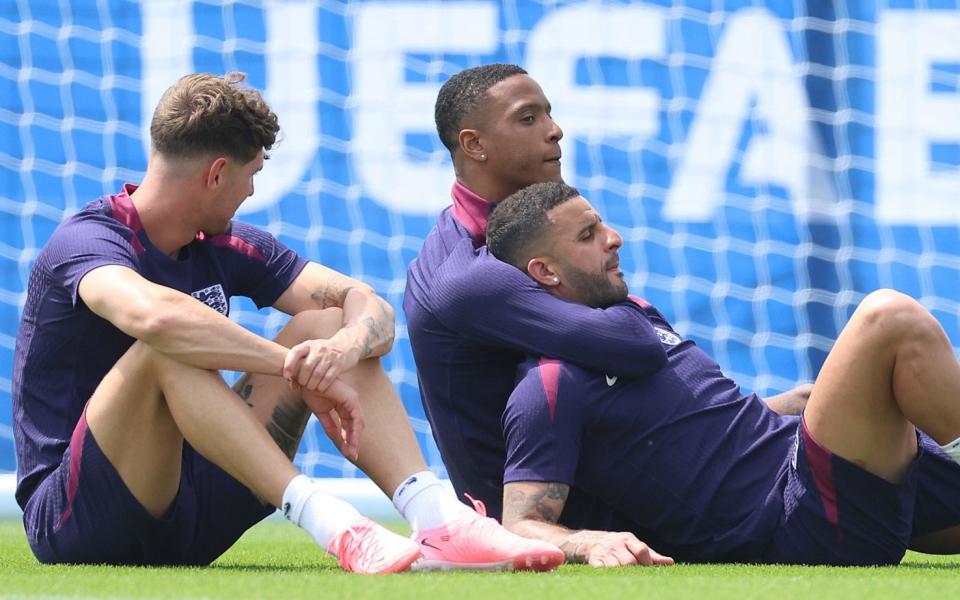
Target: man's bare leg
(132, 422)
(389, 454)
(197, 406)
(131, 418)
(891, 368)
(388, 449)
(148, 403)
(135, 430)
(275, 404)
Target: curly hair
(462, 94)
(204, 113)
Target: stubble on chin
(597, 291)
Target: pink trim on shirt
(233, 243)
(471, 211)
(550, 376)
(123, 210)
(76, 454)
(640, 301)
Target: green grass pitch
(275, 560)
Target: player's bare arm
(188, 331)
(532, 509)
(176, 324)
(791, 402)
(368, 326)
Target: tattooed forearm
(377, 329)
(323, 296)
(374, 338)
(371, 315)
(330, 295)
(542, 501)
(532, 509)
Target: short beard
(595, 289)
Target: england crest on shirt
(214, 297)
(667, 337)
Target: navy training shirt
(697, 466)
(64, 350)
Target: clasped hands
(314, 368)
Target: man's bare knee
(894, 317)
(311, 325)
(168, 370)
(883, 305)
(134, 378)
(140, 356)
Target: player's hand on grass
(338, 410)
(615, 549)
(316, 364)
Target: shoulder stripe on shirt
(550, 376)
(236, 244)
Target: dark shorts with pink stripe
(837, 513)
(83, 513)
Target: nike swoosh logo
(611, 380)
(424, 542)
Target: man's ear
(471, 146)
(214, 172)
(542, 270)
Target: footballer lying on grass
(684, 461)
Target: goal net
(768, 163)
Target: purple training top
(682, 451)
(471, 320)
(63, 349)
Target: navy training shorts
(82, 512)
(837, 513)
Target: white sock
(320, 514)
(953, 449)
(425, 502)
